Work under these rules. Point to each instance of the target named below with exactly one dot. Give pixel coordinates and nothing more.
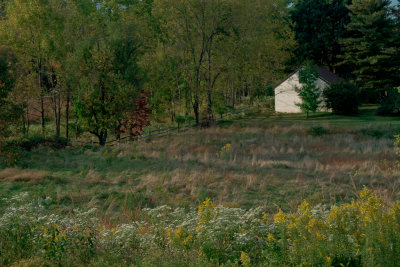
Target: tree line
(108, 67)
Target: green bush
(223, 109)
(31, 142)
(390, 104)
(264, 103)
(317, 131)
(343, 98)
(377, 131)
(9, 154)
(180, 119)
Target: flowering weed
(365, 232)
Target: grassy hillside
(258, 160)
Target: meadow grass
(270, 190)
(273, 161)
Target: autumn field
(263, 160)
(256, 166)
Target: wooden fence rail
(157, 133)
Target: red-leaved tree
(138, 118)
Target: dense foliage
(309, 92)
(390, 103)
(318, 26)
(362, 233)
(87, 61)
(357, 39)
(5, 87)
(10, 113)
(108, 81)
(371, 47)
(343, 98)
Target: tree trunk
(57, 111)
(233, 95)
(24, 124)
(59, 117)
(196, 109)
(131, 137)
(209, 106)
(28, 121)
(42, 113)
(102, 138)
(118, 131)
(67, 113)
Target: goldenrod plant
(365, 232)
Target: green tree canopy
(108, 75)
(318, 26)
(309, 92)
(371, 48)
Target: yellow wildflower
(245, 259)
(271, 237)
(207, 204)
(168, 232)
(178, 232)
(224, 150)
(394, 210)
(319, 235)
(365, 193)
(369, 205)
(187, 239)
(305, 206)
(334, 213)
(280, 217)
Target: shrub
(11, 150)
(377, 131)
(222, 109)
(180, 119)
(317, 131)
(371, 132)
(343, 98)
(9, 153)
(390, 104)
(31, 142)
(266, 103)
(206, 123)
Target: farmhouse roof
(328, 76)
(324, 74)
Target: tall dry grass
(243, 164)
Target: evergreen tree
(371, 46)
(309, 93)
(318, 26)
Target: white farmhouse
(286, 96)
